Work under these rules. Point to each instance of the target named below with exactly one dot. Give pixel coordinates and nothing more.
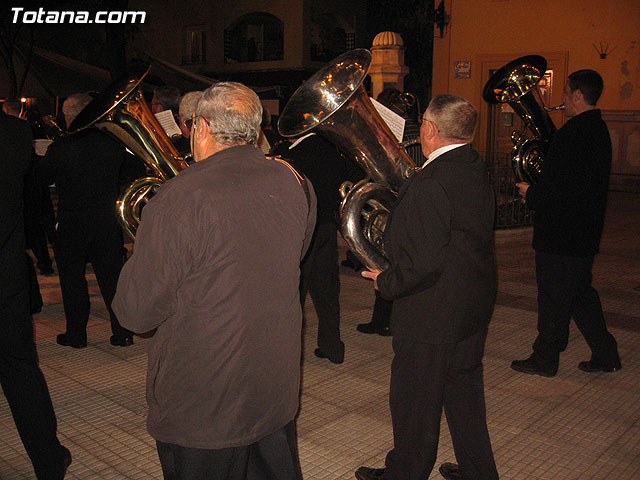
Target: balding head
(73, 105)
(12, 107)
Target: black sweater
(570, 199)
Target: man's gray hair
(188, 104)
(74, 104)
(454, 117)
(233, 112)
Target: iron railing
(511, 211)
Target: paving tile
(573, 426)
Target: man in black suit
(569, 202)
(21, 378)
(323, 164)
(442, 280)
(87, 168)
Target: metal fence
(511, 211)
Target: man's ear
(201, 130)
(199, 139)
(578, 97)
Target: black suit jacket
(324, 166)
(439, 239)
(16, 145)
(571, 197)
(88, 168)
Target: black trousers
(275, 457)
(320, 277)
(96, 237)
(381, 315)
(425, 379)
(38, 217)
(26, 390)
(565, 291)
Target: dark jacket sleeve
(555, 178)
(421, 231)
(311, 218)
(15, 161)
(47, 167)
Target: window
(330, 35)
(195, 46)
(255, 37)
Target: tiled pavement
(573, 426)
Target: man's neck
(585, 108)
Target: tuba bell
(516, 83)
(122, 112)
(334, 104)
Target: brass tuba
(122, 112)
(516, 83)
(334, 104)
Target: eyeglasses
(192, 122)
(423, 119)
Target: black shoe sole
(320, 354)
(587, 367)
(121, 341)
(369, 330)
(60, 340)
(528, 371)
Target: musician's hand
(372, 275)
(522, 189)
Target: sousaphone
(516, 83)
(122, 112)
(334, 104)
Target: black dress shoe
(46, 270)
(67, 340)
(370, 328)
(532, 367)
(450, 471)
(593, 366)
(66, 461)
(120, 341)
(367, 473)
(320, 354)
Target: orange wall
(485, 31)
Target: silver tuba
(334, 104)
(122, 112)
(516, 83)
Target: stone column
(387, 63)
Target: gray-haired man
(216, 271)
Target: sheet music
(392, 119)
(168, 123)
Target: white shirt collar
(439, 151)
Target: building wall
(165, 31)
(489, 33)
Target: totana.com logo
(20, 15)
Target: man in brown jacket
(216, 271)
